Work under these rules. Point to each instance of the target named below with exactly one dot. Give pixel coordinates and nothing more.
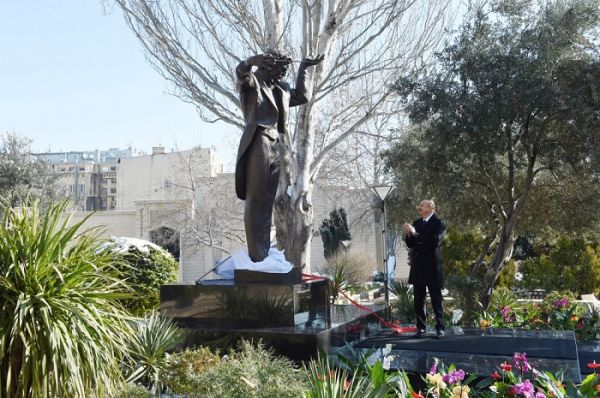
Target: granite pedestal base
(479, 351)
(295, 319)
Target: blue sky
(75, 78)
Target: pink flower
(433, 369)
(562, 303)
(454, 377)
(525, 389)
(505, 314)
(520, 362)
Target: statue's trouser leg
(262, 176)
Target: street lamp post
(382, 191)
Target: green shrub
(461, 250)
(465, 291)
(569, 263)
(62, 332)
(145, 271)
(185, 365)
(252, 371)
(133, 391)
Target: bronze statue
(265, 101)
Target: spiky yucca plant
(327, 381)
(62, 332)
(155, 335)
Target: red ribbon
(309, 277)
(396, 328)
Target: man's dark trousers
(436, 301)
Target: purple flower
(505, 314)
(525, 389)
(433, 369)
(520, 362)
(539, 395)
(454, 376)
(561, 303)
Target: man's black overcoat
(426, 253)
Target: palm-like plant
(403, 305)
(155, 335)
(62, 331)
(327, 381)
(342, 274)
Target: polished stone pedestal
(478, 351)
(294, 319)
(589, 351)
(292, 278)
(241, 305)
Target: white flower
(388, 348)
(456, 316)
(387, 361)
(518, 276)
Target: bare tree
(196, 45)
(216, 216)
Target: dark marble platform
(225, 304)
(295, 319)
(588, 352)
(478, 351)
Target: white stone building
(184, 201)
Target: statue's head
(278, 71)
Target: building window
(168, 239)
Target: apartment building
(89, 178)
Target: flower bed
(558, 311)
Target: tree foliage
(510, 114)
(22, 175)
(334, 230)
(145, 271)
(568, 263)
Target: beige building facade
(183, 201)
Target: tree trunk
(502, 256)
(294, 210)
(294, 228)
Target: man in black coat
(424, 238)
(265, 101)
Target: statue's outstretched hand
(314, 61)
(268, 60)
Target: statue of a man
(265, 101)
